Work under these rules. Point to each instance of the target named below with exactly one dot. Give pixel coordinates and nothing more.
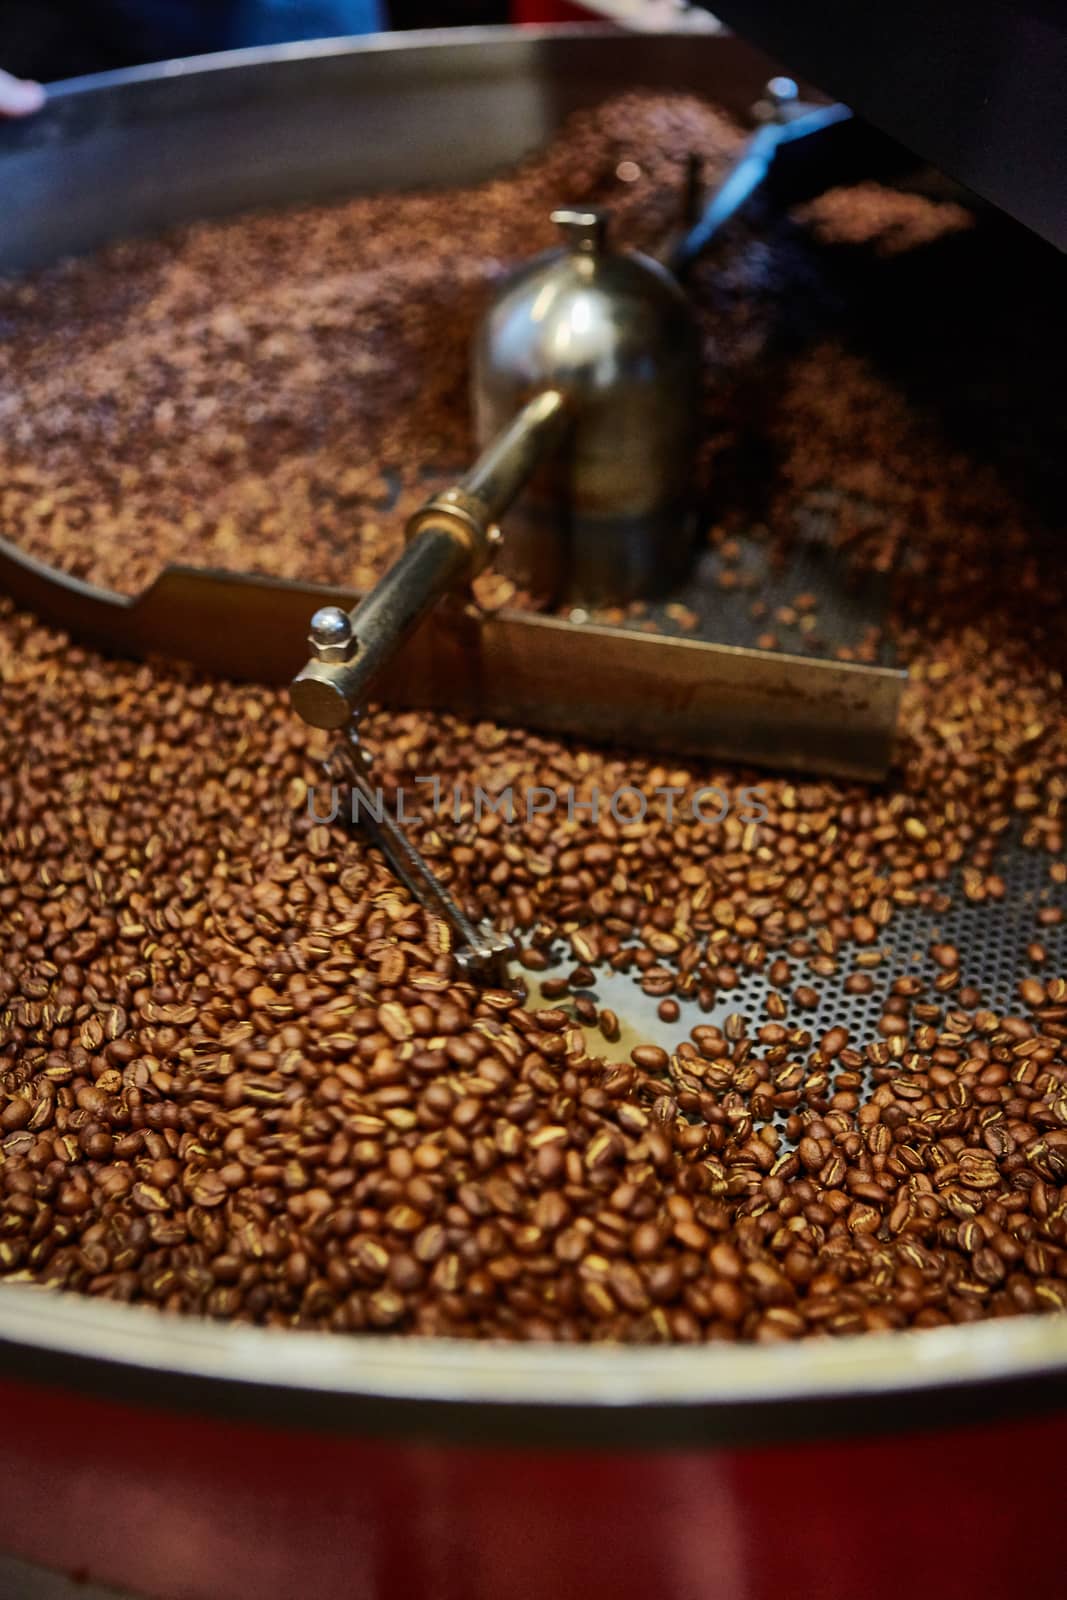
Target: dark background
(49, 39)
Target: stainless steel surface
(716, 600)
(507, 460)
(209, 136)
(609, 517)
(992, 936)
(330, 635)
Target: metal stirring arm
(449, 541)
(788, 119)
(480, 953)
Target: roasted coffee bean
(608, 1023)
(650, 1057)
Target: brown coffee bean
(945, 955)
(609, 1024)
(16, 1114)
(650, 1058)
(1032, 993)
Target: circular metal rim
(525, 37)
(494, 1391)
(491, 1391)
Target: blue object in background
(62, 38)
(278, 21)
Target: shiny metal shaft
(449, 542)
(508, 460)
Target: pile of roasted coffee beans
(240, 1075)
(274, 394)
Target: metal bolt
(780, 98)
(781, 91)
(331, 634)
(779, 101)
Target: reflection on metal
(381, 114)
(606, 342)
(608, 518)
(484, 1392)
(294, 124)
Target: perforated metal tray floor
(992, 938)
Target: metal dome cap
(609, 518)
